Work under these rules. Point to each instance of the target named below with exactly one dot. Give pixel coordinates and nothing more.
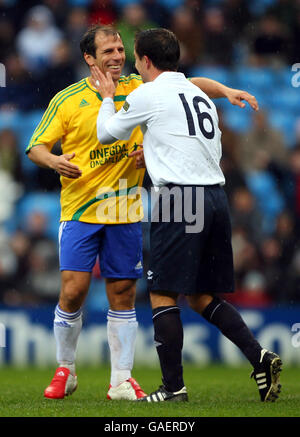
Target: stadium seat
(47, 203)
(285, 76)
(26, 127)
(237, 119)
(254, 79)
(285, 122)
(262, 99)
(172, 4)
(286, 99)
(122, 3)
(258, 7)
(28, 123)
(23, 125)
(80, 3)
(263, 187)
(221, 74)
(10, 119)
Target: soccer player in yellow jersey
(95, 181)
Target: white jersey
(182, 140)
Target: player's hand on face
(103, 82)
(237, 97)
(139, 157)
(65, 168)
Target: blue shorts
(119, 247)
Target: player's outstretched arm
(41, 156)
(216, 90)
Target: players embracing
(87, 168)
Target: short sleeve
(51, 127)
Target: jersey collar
(167, 75)
(117, 98)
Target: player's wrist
(108, 96)
(52, 163)
(224, 90)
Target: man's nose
(117, 54)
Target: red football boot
(62, 384)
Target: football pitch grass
(214, 391)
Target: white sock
(121, 334)
(67, 327)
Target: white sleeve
(106, 111)
(135, 111)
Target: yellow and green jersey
(107, 189)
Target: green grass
(214, 391)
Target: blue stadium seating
(221, 74)
(258, 7)
(23, 124)
(286, 99)
(26, 126)
(47, 203)
(285, 122)
(79, 3)
(237, 119)
(285, 76)
(254, 79)
(172, 4)
(10, 120)
(264, 189)
(122, 3)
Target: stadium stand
(275, 190)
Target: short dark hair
(87, 43)
(161, 46)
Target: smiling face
(110, 55)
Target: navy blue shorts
(119, 248)
(190, 263)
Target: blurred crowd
(249, 44)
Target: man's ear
(148, 61)
(89, 59)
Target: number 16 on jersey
(202, 116)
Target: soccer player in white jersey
(182, 149)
